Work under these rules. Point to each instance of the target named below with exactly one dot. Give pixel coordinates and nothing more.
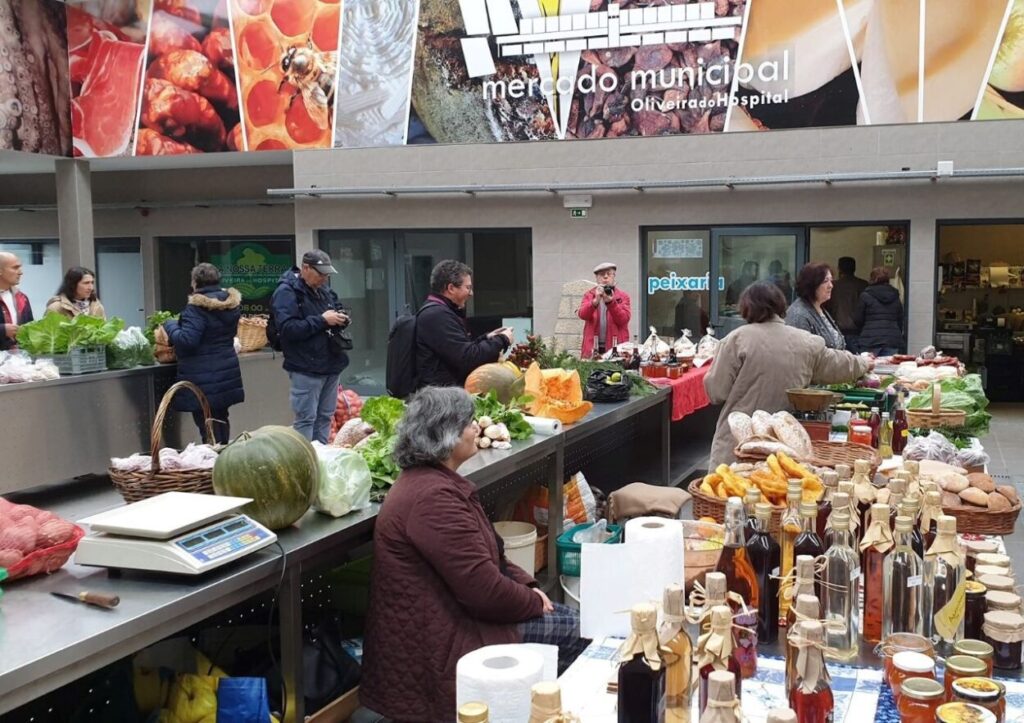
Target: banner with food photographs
(158, 77)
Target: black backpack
(401, 376)
(273, 338)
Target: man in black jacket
(308, 319)
(445, 351)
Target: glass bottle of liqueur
(875, 422)
(679, 665)
(811, 696)
(831, 482)
(912, 509)
(765, 555)
(841, 592)
(545, 701)
(752, 498)
(931, 511)
(904, 577)
(740, 579)
(945, 573)
(807, 542)
(789, 530)
(803, 584)
(641, 691)
(844, 472)
(885, 437)
(716, 651)
(841, 506)
(715, 590)
(900, 428)
(846, 487)
(875, 547)
(897, 488)
(864, 491)
(723, 706)
(807, 608)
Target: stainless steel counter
(46, 643)
(66, 428)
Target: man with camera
(311, 323)
(605, 311)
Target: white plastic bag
(344, 481)
(654, 346)
(684, 346)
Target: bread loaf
(954, 482)
(1009, 492)
(982, 481)
(998, 503)
(761, 422)
(791, 433)
(741, 426)
(975, 496)
(951, 500)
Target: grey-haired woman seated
(441, 585)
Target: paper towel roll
(667, 536)
(500, 676)
(640, 529)
(543, 426)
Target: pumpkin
(557, 394)
(503, 378)
(277, 467)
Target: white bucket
(520, 539)
(571, 588)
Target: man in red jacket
(14, 307)
(605, 309)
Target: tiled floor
(1005, 442)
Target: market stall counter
(47, 643)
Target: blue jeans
(313, 398)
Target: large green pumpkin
(275, 466)
(502, 378)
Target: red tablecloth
(688, 393)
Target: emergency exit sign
(577, 213)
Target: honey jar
(963, 713)
(899, 642)
(983, 692)
(962, 666)
(906, 665)
(976, 649)
(919, 699)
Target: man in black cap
(309, 321)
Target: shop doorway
(382, 273)
(119, 279)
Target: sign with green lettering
(254, 270)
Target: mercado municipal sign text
(674, 282)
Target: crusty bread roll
(949, 499)
(998, 503)
(975, 496)
(954, 482)
(1009, 492)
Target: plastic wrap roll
(543, 426)
(500, 676)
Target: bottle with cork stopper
(831, 481)
(803, 584)
(723, 706)
(678, 665)
(945, 572)
(545, 701)
(875, 547)
(473, 713)
(811, 696)
(716, 651)
(641, 689)
(806, 607)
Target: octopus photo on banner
(34, 100)
(287, 52)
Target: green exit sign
(577, 213)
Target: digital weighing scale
(177, 532)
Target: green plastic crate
(570, 553)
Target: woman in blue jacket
(204, 342)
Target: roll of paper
(501, 677)
(667, 536)
(543, 426)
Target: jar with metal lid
(975, 608)
(973, 548)
(897, 643)
(908, 664)
(1004, 631)
(1002, 600)
(976, 649)
(919, 699)
(962, 666)
(994, 559)
(983, 692)
(997, 582)
(963, 713)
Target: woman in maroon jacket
(441, 586)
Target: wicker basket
(705, 505)
(984, 522)
(252, 332)
(812, 400)
(936, 416)
(49, 559)
(136, 486)
(828, 454)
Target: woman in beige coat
(757, 363)
(77, 295)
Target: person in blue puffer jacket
(204, 342)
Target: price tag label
(914, 581)
(948, 618)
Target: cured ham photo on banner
(288, 71)
(190, 95)
(34, 102)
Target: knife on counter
(97, 599)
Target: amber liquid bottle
(752, 498)
(790, 530)
(876, 545)
(740, 578)
(765, 556)
(811, 696)
(679, 665)
(641, 691)
(808, 542)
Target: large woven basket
(936, 416)
(705, 505)
(136, 486)
(828, 454)
(252, 332)
(984, 522)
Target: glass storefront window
(43, 273)
(678, 263)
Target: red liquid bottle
(900, 428)
(739, 573)
(716, 651)
(875, 422)
(811, 696)
(877, 543)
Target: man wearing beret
(605, 311)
